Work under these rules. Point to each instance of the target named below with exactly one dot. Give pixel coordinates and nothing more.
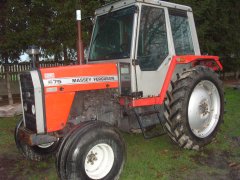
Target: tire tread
(174, 108)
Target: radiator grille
(28, 100)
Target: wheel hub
(91, 158)
(204, 108)
(99, 161)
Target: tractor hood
(48, 93)
(79, 77)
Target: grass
(158, 158)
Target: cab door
(154, 50)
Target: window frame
(169, 35)
(132, 44)
(181, 13)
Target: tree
(63, 31)
(51, 25)
(12, 28)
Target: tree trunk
(65, 56)
(10, 98)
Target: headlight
(33, 110)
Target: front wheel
(38, 152)
(194, 108)
(94, 150)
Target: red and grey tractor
(144, 73)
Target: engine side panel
(57, 111)
(102, 105)
(61, 84)
(96, 105)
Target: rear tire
(194, 108)
(35, 153)
(93, 150)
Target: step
(152, 130)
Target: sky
(24, 58)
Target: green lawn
(157, 158)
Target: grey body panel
(38, 102)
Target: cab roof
(125, 3)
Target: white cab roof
(123, 3)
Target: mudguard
(210, 61)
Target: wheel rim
(99, 161)
(204, 109)
(46, 145)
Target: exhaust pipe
(80, 50)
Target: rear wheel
(38, 152)
(194, 108)
(92, 151)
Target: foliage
(47, 23)
(13, 23)
(51, 25)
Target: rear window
(181, 32)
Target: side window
(181, 32)
(152, 42)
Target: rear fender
(210, 61)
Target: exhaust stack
(80, 50)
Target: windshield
(112, 35)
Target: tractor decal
(79, 80)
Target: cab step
(150, 121)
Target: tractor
(144, 73)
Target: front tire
(38, 152)
(194, 108)
(94, 150)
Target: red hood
(80, 77)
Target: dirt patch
(212, 159)
(236, 141)
(222, 162)
(6, 167)
(14, 167)
(235, 173)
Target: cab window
(112, 35)
(152, 42)
(181, 32)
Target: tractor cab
(143, 36)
